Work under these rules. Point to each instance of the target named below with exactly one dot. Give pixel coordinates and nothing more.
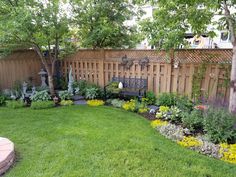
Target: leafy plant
(219, 125)
(194, 120)
(65, 95)
(150, 98)
(2, 99)
(92, 93)
(40, 96)
(117, 103)
(184, 103)
(163, 112)
(42, 104)
(142, 110)
(130, 105)
(166, 99)
(189, 142)
(82, 84)
(15, 104)
(95, 102)
(66, 102)
(175, 115)
(113, 87)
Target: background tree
(103, 23)
(39, 25)
(173, 18)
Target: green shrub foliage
(193, 121)
(150, 98)
(40, 96)
(42, 104)
(15, 104)
(65, 95)
(166, 99)
(219, 125)
(2, 99)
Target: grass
(98, 141)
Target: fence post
(169, 73)
(101, 68)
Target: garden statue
(33, 90)
(71, 81)
(42, 74)
(24, 87)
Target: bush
(166, 99)
(219, 125)
(163, 112)
(42, 104)
(113, 87)
(95, 102)
(150, 98)
(2, 100)
(175, 114)
(194, 120)
(92, 93)
(40, 96)
(66, 102)
(117, 103)
(131, 105)
(184, 103)
(15, 104)
(82, 84)
(65, 95)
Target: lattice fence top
(182, 55)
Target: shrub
(130, 105)
(15, 104)
(175, 114)
(163, 112)
(2, 100)
(66, 102)
(193, 121)
(95, 102)
(117, 103)
(40, 96)
(184, 103)
(65, 95)
(113, 87)
(42, 104)
(150, 98)
(219, 125)
(92, 93)
(190, 142)
(166, 99)
(82, 84)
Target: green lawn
(98, 141)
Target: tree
(39, 25)
(102, 23)
(173, 18)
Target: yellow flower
(190, 141)
(158, 122)
(95, 102)
(228, 152)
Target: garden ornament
(24, 87)
(71, 81)
(120, 86)
(43, 74)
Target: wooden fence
(99, 66)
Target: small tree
(173, 18)
(41, 25)
(102, 23)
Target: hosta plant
(65, 95)
(40, 96)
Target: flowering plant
(95, 102)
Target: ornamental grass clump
(189, 142)
(157, 123)
(95, 102)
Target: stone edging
(7, 154)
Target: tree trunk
(232, 99)
(51, 84)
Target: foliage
(95, 102)
(42, 104)
(113, 87)
(2, 99)
(158, 122)
(150, 98)
(82, 84)
(194, 120)
(66, 102)
(163, 112)
(228, 152)
(184, 103)
(103, 24)
(92, 93)
(190, 141)
(175, 114)
(172, 131)
(40, 96)
(166, 99)
(143, 110)
(117, 103)
(219, 125)
(130, 105)
(15, 104)
(65, 95)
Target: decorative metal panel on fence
(99, 66)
